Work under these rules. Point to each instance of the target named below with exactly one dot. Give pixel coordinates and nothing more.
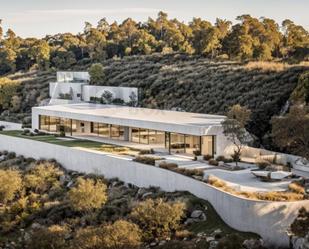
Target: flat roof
(135, 117)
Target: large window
(135, 135)
(177, 143)
(44, 123)
(208, 145)
(104, 130)
(193, 144)
(117, 132)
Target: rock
(196, 214)
(146, 195)
(36, 226)
(203, 217)
(217, 231)
(208, 239)
(253, 243)
(190, 221)
(152, 244)
(62, 179)
(213, 244)
(70, 184)
(161, 243)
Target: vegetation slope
(179, 81)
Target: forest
(249, 38)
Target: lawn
(109, 148)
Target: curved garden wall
(268, 219)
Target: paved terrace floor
(129, 144)
(244, 180)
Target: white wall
(71, 76)
(10, 125)
(118, 92)
(269, 219)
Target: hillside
(191, 83)
(42, 205)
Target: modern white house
(74, 87)
(161, 130)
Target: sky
(37, 18)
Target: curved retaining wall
(268, 219)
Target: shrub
(2, 127)
(169, 166)
(146, 159)
(87, 195)
(43, 177)
(220, 158)
(262, 164)
(297, 188)
(158, 219)
(213, 162)
(197, 152)
(207, 157)
(10, 185)
(48, 238)
(11, 155)
(231, 241)
(120, 235)
(145, 152)
(216, 182)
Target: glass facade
(173, 142)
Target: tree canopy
(249, 38)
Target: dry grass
(267, 66)
(266, 196)
(297, 188)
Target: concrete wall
(269, 219)
(10, 125)
(66, 76)
(118, 92)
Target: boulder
(196, 214)
(253, 244)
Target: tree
(234, 128)
(97, 76)
(301, 92)
(133, 99)
(157, 219)
(8, 89)
(11, 184)
(291, 132)
(87, 195)
(107, 97)
(63, 59)
(119, 235)
(42, 54)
